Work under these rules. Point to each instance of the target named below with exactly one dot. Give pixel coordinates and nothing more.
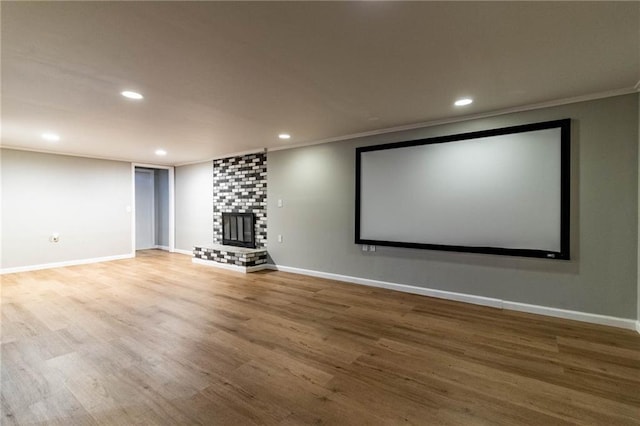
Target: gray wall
(194, 205)
(84, 200)
(161, 187)
(316, 221)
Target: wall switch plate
(279, 238)
(365, 247)
(280, 203)
(372, 248)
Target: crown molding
(425, 124)
(495, 113)
(70, 154)
(217, 157)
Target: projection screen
(501, 191)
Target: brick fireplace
(239, 187)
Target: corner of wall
(638, 217)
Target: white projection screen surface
(502, 191)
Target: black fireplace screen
(238, 229)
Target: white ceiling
(222, 78)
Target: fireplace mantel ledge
(240, 259)
(232, 249)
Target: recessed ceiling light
(284, 136)
(161, 152)
(51, 137)
(463, 102)
(131, 95)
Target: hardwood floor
(159, 340)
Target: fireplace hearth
(238, 229)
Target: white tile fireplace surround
(239, 259)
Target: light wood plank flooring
(159, 340)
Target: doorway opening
(153, 221)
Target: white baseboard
(571, 315)
(180, 251)
(156, 247)
(440, 294)
(63, 264)
(629, 324)
(228, 267)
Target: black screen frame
(565, 191)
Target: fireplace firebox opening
(238, 229)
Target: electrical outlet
(372, 248)
(365, 247)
